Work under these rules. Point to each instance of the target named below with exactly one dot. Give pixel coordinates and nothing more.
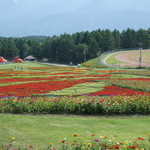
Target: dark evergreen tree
(80, 53)
(117, 39)
(99, 38)
(142, 36)
(78, 37)
(108, 40)
(46, 50)
(129, 39)
(9, 49)
(35, 48)
(66, 48)
(23, 48)
(93, 49)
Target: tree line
(75, 48)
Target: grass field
(40, 130)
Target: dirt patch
(126, 57)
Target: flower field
(51, 89)
(31, 88)
(95, 143)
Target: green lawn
(21, 66)
(40, 130)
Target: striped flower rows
(45, 80)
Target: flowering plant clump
(136, 104)
(77, 143)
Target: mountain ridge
(57, 17)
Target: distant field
(129, 58)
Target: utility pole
(84, 56)
(140, 57)
(57, 56)
(98, 56)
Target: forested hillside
(75, 48)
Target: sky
(50, 17)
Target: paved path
(63, 65)
(54, 64)
(105, 59)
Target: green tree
(66, 48)
(129, 38)
(80, 53)
(78, 37)
(9, 49)
(23, 47)
(99, 38)
(93, 49)
(142, 36)
(117, 39)
(108, 40)
(35, 48)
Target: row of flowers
(137, 104)
(77, 143)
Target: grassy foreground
(40, 130)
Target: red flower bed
(37, 88)
(115, 90)
(25, 80)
